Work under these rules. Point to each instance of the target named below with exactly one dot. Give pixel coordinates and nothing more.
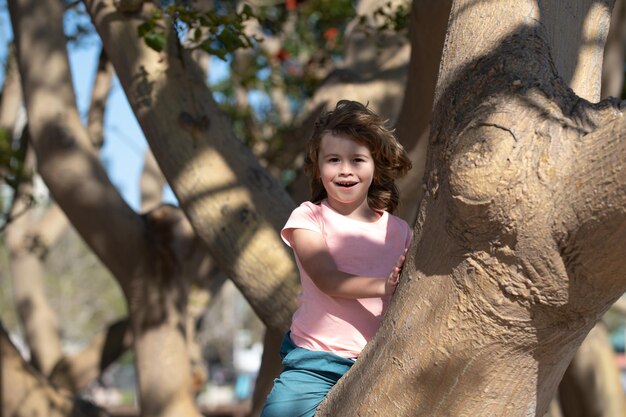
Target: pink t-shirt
(341, 325)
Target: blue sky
(125, 144)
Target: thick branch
(136, 250)
(613, 63)
(596, 222)
(48, 229)
(577, 35)
(76, 371)
(151, 183)
(99, 95)
(38, 319)
(11, 99)
(64, 151)
(234, 205)
(24, 393)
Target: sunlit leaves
(215, 31)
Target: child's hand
(394, 277)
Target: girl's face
(346, 169)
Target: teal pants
(306, 378)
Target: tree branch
(75, 372)
(24, 393)
(63, 145)
(234, 205)
(595, 221)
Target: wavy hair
(358, 122)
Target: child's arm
(316, 260)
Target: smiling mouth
(346, 184)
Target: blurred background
(313, 52)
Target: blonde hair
(358, 122)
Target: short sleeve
(303, 217)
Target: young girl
(349, 250)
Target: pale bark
(39, 321)
(554, 410)
(11, 95)
(47, 230)
(140, 254)
(75, 372)
(517, 244)
(24, 393)
(577, 35)
(151, 183)
(235, 207)
(591, 385)
(613, 65)
(99, 95)
(33, 243)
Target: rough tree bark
(428, 21)
(592, 385)
(517, 249)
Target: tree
(146, 254)
(517, 238)
(516, 253)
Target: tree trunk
(592, 385)
(517, 249)
(29, 238)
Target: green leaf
(155, 40)
(145, 28)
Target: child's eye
(333, 159)
(359, 160)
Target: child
(349, 250)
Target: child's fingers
(402, 258)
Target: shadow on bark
(518, 76)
